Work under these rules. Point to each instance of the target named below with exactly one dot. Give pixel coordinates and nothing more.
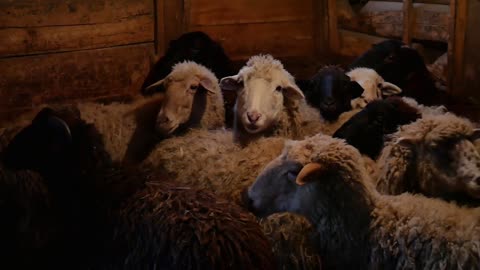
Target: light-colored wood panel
(207, 12)
(32, 80)
(279, 39)
(34, 40)
(27, 13)
(431, 22)
(354, 44)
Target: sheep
(126, 217)
(192, 46)
(324, 179)
(377, 55)
(269, 103)
(375, 87)
(366, 130)
(435, 156)
(425, 110)
(331, 92)
(212, 160)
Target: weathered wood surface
(320, 28)
(333, 36)
(354, 44)
(431, 22)
(281, 39)
(33, 80)
(207, 12)
(408, 21)
(438, 2)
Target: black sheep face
(400, 65)
(375, 57)
(331, 91)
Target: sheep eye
(278, 89)
(193, 87)
(291, 176)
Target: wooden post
(320, 27)
(408, 20)
(333, 36)
(160, 38)
(172, 19)
(456, 44)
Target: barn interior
(61, 53)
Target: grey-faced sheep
(212, 160)
(192, 46)
(127, 218)
(366, 130)
(434, 155)
(269, 103)
(324, 179)
(375, 87)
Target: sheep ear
(231, 83)
(208, 85)
(152, 88)
(355, 89)
(309, 170)
(389, 89)
(405, 141)
(476, 134)
(292, 91)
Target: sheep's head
(187, 90)
(375, 87)
(331, 91)
(265, 89)
(448, 162)
(305, 173)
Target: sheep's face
(400, 64)
(302, 176)
(451, 164)
(261, 100)
(331, 91)
(374, 87)
(185, 98)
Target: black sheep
(130, 217)
(376, 56)
(331, 92)
(194, 46)
(366, 129)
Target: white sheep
(375, 87)
(270, 103)
(435, 155)
(325, 180)
(425, 110)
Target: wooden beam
(320, 27)
(437, 2)
(456, 48)
(160, 38)
(333, 36)
(408, 21)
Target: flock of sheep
(348, 170)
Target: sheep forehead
(189, 69)
(266, 67)
(318, 146)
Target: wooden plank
(160, 38)
(354, 44)
(174, 19)
(431, 21)
(333, 36)
(437, 2)
(458, 86)
(32, 80)
(408, 21)
(320, 27)
(28, 13)
(279, 39)
(207, 12)
(35, 40)
(451, 46)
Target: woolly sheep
(375, 87)
(331, 92)
(434, 155)
(269, 103)
(212, 160)
(125, 218)
(377, 55)
(192, 46)
(366, 130)
(324, 179)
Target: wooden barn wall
(57, 51)
(284, 28)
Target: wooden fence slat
(408, 20)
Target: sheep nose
(246, 200)
(253, 117)
(162, 119)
